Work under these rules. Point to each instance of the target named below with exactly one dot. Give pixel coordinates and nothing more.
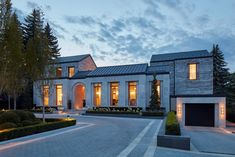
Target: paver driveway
(96, 137)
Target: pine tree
(220, 72)
(52, 42)
(154, 99)
(33, 26)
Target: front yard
(18, 123)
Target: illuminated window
(46, 95)
(97, 94)
(114, 94)
(71, 71)
(193, 71)
(59, 72)
(159, 90)
(132, 93)
(59, 95)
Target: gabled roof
(69, 59)
(81, 75)
(180, 55)
(132, 69)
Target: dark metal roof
(158, 70)
(80, 75)
(70, 59)
(180, 55)
(132, 69)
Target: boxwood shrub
(172, 125)
(152, 113)
(34, 129)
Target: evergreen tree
(52, 42)
(220, 72)
(154, 98)
(33, 26)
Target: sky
(117, 32)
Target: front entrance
(199, 114)
(79, 96)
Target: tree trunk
(9, 102)
(43, 111)
(15, 101)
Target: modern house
(185, 85)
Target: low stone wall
(171, 141)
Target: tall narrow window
(46, 95)
(71, 71)
(192, 71)
(59, 72)
(114, 94)
(97, 94)
(132, 93)
(159, 89)
(59, 95)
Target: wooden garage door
(199, 114)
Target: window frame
(196, 71)
(56, 99)
(69, 67)
(111, 93)
(94, 85)
(46, 87)
(136, 93)
(60, 72)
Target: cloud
(76, 40)
(48, 7)
(32, 5)
(153, 9)
(85, 20)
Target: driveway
(211, 140)
(93, 136)
(97, 137)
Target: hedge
(34, 129)
(113, 112)
(172, 125)
(152, 113)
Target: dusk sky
(129, 31)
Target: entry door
(79, 96)
(199, 114)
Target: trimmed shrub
(172, 126)
(34, 129)
(25, 115)
(9, 116)
(7, 125)
(152, 113)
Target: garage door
(199, 114)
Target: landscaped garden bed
(115, 110)
(15, 124)
(38, 109)
(149, 112)
(170, 136)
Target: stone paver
(103, 137)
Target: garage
(199, 114)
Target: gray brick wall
(179, 82)
(204, 83)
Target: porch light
(179, 111)
(222, 111)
